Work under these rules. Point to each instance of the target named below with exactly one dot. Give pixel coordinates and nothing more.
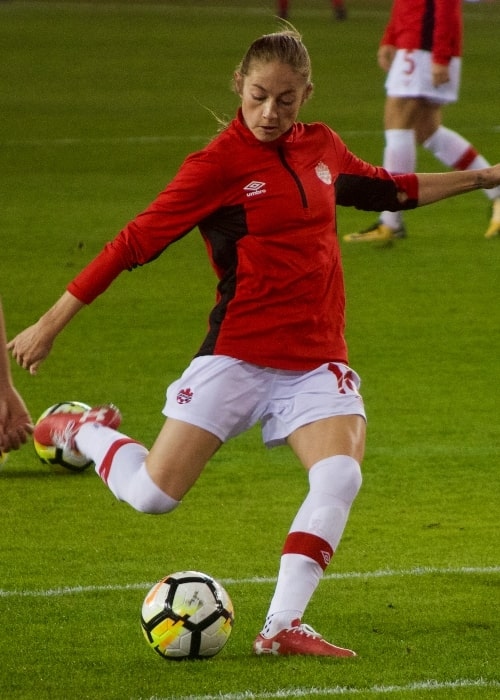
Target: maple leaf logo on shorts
(184, 396)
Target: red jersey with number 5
(430, 25)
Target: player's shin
(313, 538)
(400, 156)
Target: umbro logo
(254, 188)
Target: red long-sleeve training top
(267, 214)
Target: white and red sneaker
(298, 639)
(60, 429)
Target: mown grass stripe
(182, 138)
(348, 575)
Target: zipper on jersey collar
(294, 175)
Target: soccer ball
(63, 460)
(187, 615)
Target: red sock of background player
(313, 538)
(283, 8)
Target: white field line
(255, 580)
(343, 690)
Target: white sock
(120, 462)
(400, 156)
(313, 538)
(289, 601)
(454, 151)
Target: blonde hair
(285, 46)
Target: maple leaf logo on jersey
(184, 396)
(323, 172)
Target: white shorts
(410, 76)
(227, 397)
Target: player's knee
(347, 479)
(151, 506)
(339, 476)
(354, 479)
(146, 497)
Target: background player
(421, 52)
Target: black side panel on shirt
(369, 194)
(426, 39)
(222, 230)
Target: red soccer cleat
(60, 429)
(298, 639)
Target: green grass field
(100, 104)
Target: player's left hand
(489, 177)
(15, 421)
(440, 74)
(385, 56)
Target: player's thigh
(179, 455)
(337, 435)
(401, 112)
(220, 394)
(429, 118)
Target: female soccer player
(263, 196)
(421, 53)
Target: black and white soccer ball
(187, 615)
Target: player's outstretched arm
(432, 187)
(30, 347)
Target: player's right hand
(30, 347)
